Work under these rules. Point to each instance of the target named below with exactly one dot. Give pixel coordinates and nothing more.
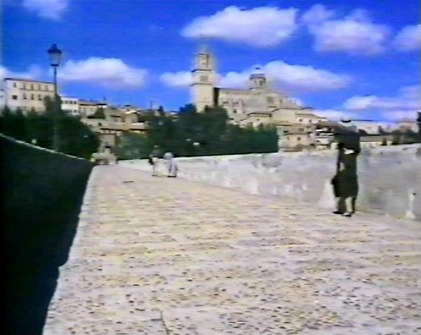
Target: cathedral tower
(203, 80)
(257, 80)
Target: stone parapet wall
(389, 177)
(42, 196)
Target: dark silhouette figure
(42, 196)
(345, 181)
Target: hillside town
(298, 127)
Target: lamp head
(55, 55)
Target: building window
(203, 79)
(270, 100)
(24, 86)
(24, 96)
(32, 86)
(14, 97)
(14, 84)
(298, 138)
(32, 97)
(39, 87)
(46, 87)
(300, 120)
(39, 97)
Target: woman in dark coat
(345, 182)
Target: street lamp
(55, 56)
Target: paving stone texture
(155, 255)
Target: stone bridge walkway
(166, 256)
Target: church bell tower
(203, 80)
(257, 80)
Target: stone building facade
(113, 125)
(26, 94)
(88, 107)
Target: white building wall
(70, 105)
(27, 94)
(2, 99)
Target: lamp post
(55, 56)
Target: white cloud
(3, 72)
(109, 72)
(400, 115)
(293, 78)
(360, 102)
(304, 77)
(298, 101)
(48, 9)
(316, 14)
(259, 27)
(409, 38)
(354, 34)
(33, 72)
(408, 98)
(177, 79)
(404, 105)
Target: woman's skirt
(345, 185)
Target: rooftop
(28, 80)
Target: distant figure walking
(171, 165)
(154, 160)
(345, 181)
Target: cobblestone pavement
(167, 256)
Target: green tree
(13, 123)
(384, 141)
(132, 146)
(75, 137)
(99, 114)
(397, 137)
(39, 129)
(409, 137)
(161, 111)
(381, 131)
(207, 133)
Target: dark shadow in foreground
(42, 197)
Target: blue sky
(355, 58)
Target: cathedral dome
(257, 73)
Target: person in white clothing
(171, 165)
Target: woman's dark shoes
(338, 212)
